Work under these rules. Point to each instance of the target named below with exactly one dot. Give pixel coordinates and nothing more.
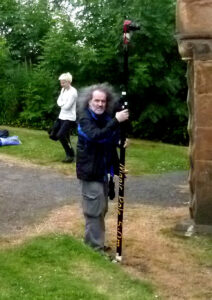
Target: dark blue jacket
(96, 148)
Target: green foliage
(8, 93)
(4, 55)
(157, 77)
(157, 85)
(8, 15)
(28, 97)
(24, 25)
(38, 101)
(85, 38)
(101, 35)
(60, 267)
(60, 49)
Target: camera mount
(128, 27)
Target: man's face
(98, 102)
(64, 84)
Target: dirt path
(27, 194)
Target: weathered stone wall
(194, 18)
(194, 34)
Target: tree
(8, 100)
(156, 85)
(158, 73)
(44, 38)
(39, 99)
(24, 25)
(59, 47)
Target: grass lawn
(59, 267)
(53, 265)
(142, 157)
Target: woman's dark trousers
(61, 131)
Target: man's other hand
(122, 115)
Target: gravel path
(28, 193)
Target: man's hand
(126, 143)
(122, 115)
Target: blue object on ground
(11, 140)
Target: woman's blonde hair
(66, 76)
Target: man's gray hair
(86, 94)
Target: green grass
(37, 148)
(199, 247)
(142, 157)
(145, 157)
(60, 267)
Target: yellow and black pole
(128, 27)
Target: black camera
(130, 26)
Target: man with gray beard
(98, 137)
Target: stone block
(194, 48)
(203, 144)
(203, 77)
(203, 192)
(203, 110)
(194, 17)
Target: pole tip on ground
(118, 258)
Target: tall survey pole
(128, 27)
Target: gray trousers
(95, 207)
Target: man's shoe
(68, 159)
(107, 249)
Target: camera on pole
(128, 27)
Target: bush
(39, 108)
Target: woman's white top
(67, 102)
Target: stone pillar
(194, 36)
